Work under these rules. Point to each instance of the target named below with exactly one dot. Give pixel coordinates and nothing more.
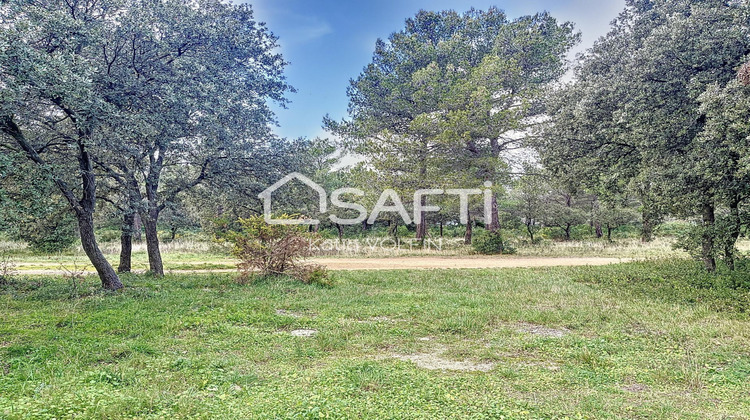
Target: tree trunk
(494, 222)
(126, 243)
(137, 227)
(150, 215)
(341, 232)
(707, 251)
(421, 229)
(421, 222)
(441, 228)
(609, 233)
(734, 233)
(647, 231)
(530, 229)
(364, 226)
(106, 273)
(152, 242)
(598, 229)
(467, 236)
(83, 208)
(567, 232)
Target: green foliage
(175, 218)
(106, 235)
(690, 239)
(430, 108)
(30, 208)
(676, 228)
(575, 232)
(7, 269)
(49, 233)
(649, 100)
(491, 243)
(148, 98)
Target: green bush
(48, 233)
(491, 243)
(31, 208)
(677, 228)
(108, 235)
(625, 232)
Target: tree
(156, 95)
(50, 107)
(564, 209)
(727, 134)
(612, 216)
(176, 218)
(222, 200)
(633, 113)
(196, 100)
(528, 195)
(435, 106)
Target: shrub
(722, 234)
(7, 269)
(311, 274)
(48, 233)
(274, 250)
(491, 243)
(676, 228)
(108, 235)
(30, 208)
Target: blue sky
(329, 42)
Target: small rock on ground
(304, 333)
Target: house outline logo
(268, 192)
(380, 207)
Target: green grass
(197, 255)
(634, 343)
(182, 260)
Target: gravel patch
(635, 388)
(434, 361)
(541, 330)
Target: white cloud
(292, 28)
(307, 29)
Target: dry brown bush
(265, 249)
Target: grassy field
(622, 341)
(203, 255)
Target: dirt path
(403, 263)
(410, 263)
